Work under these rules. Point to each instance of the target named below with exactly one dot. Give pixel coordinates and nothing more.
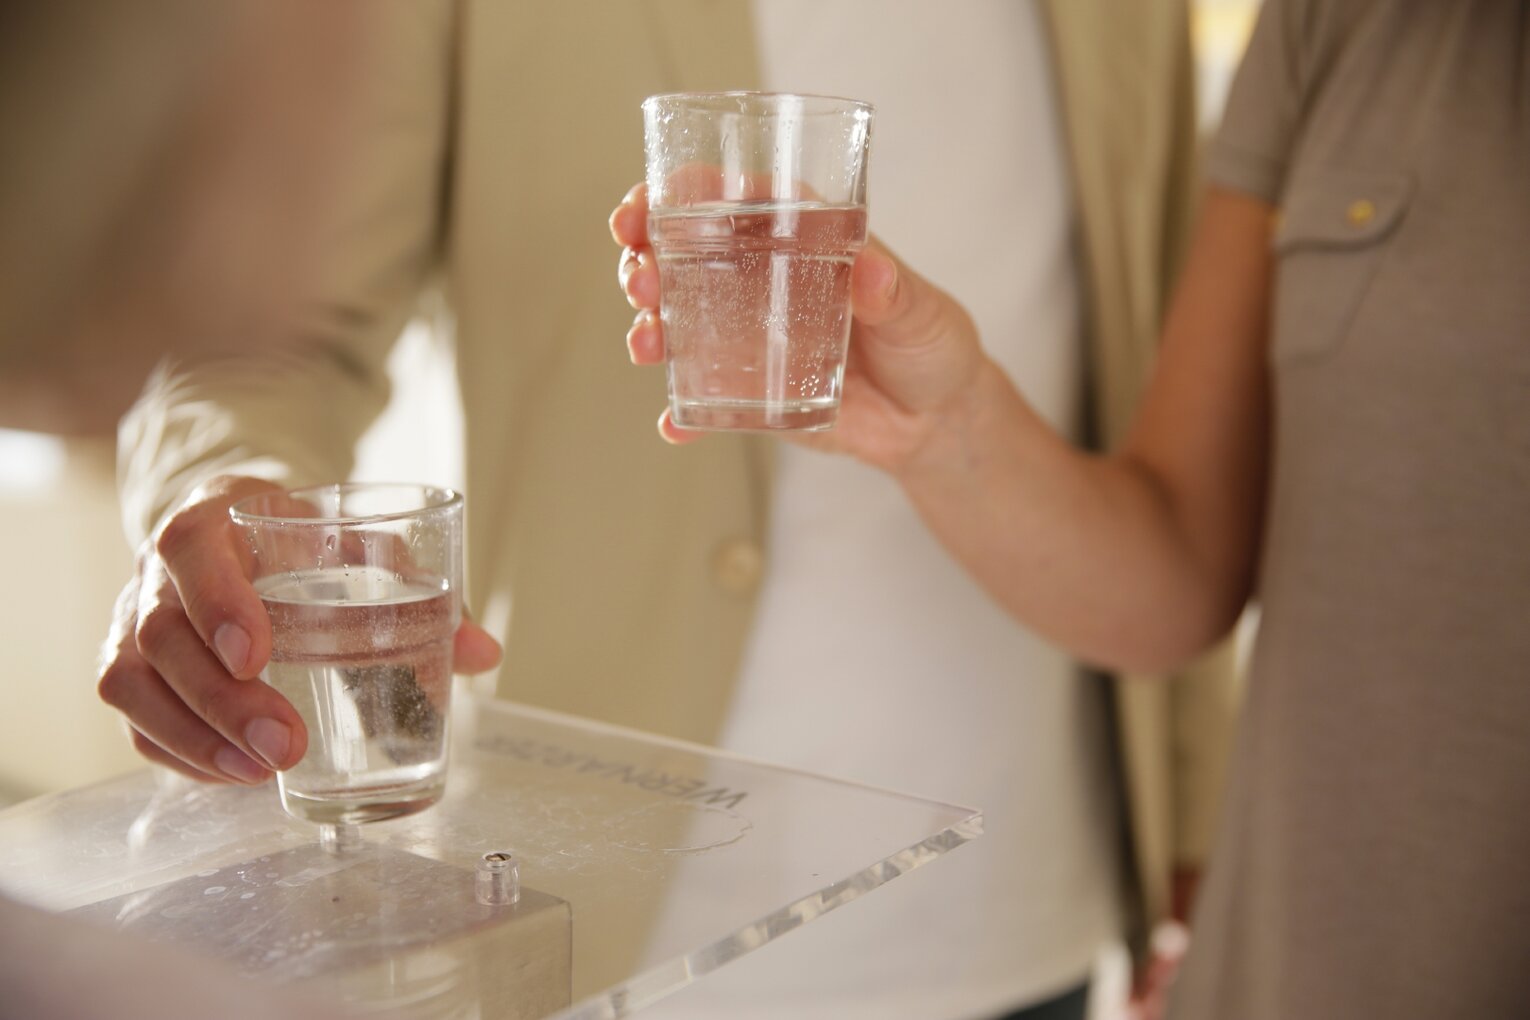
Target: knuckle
(115, 684)
(927, 316)
(178, 534)
(223, 707)
(143, 556)
(202, 605)
(143, 745)
(120, 634)
(125, 606)
(157, 626)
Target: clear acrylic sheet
(644, 863)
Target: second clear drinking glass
(757, 208)
(363, 587)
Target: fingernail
(270, 739)
(235, 764)
(233, 646)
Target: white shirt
(874, 656)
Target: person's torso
(874, 656)
(1374, 859)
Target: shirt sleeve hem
(1240, 170)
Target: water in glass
(365, 657)
(756, 310)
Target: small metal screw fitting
(498, 879)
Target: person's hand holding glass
(912, 349)
(752, 216)
(194, 629)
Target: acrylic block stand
(573, 870)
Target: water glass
(363, 585)
(757, 208)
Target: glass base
(355, 807)
(816, 415)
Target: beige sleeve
(291, 407)
(1204, 704)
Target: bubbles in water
(756, 306)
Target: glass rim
(435, 499)
(856, 105)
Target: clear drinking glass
(757, 208)
(363, 586)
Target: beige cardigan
(489, 151)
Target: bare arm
(1134, 560)
(1141, 558)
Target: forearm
(1136, 560)
(1139, 559)
(1085, 549)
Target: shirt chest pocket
(1330, 241)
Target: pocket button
(1360, 212)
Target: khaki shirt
(1374, 860)
(620, 572)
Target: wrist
(953, 436)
